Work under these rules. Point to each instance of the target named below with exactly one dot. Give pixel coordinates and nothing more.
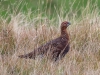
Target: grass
(39, 6)
(24, 32)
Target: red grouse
(55, 49)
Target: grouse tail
(30, 55)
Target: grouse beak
(68, 23)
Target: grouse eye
(65, 23)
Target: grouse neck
(64, 33)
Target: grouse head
(64, 25)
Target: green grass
(21, 32)
(45, 7)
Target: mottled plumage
(54, 49)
